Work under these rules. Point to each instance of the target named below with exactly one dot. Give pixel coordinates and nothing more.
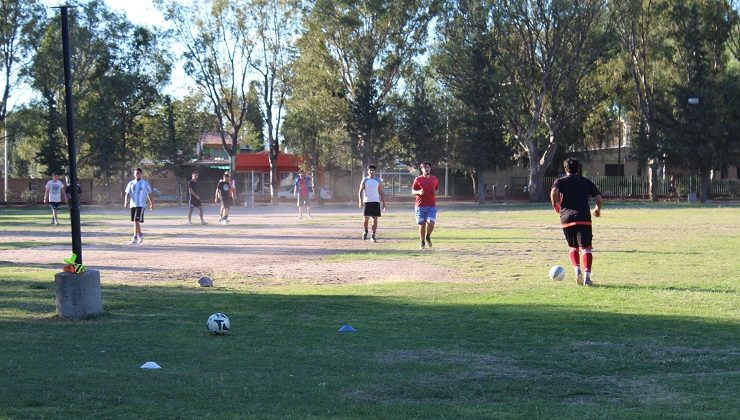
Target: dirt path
(263, 245)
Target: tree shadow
(409, 357)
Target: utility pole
(74, 207)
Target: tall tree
(699, 118)
(275, 31)
(315, 122)
(554, 48)
(468, 61)
(421, 122)
(638, 24)
(367, 44)
(217, 41)
(17, 23)
(173, 129)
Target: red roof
(246, 162)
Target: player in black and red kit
(569, 197)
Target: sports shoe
(203, 222)
(429, 240)
(223, 222)
(364, 236)
(421, 247)
(227, 221)
(579, 278)
(372, 238)
(141, 240)
(135, 239)
(588, 282)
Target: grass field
(657, 337)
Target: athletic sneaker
(372, 238)
(579, 278)
(364, 236)
(429, 240)
(203, 222)
(421, 247)
(588, 282)
(141, 239)
(135, 239)
(223, 222)
(53, 221)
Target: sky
(140, 12)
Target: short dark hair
(371, 167)
(426, 162)
(138, 170)
(572, 166)
(195, 173)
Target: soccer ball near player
(218, 323)
(557, 273)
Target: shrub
(30, 197)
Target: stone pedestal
(78, 296)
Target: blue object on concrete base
(347, 328)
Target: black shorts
(137, 214)
(578, 236)
(226, 202)
(194, 202)
(372, 209)
(54, 205)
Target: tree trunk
(481, 190)
(705, 187)
(653, 179)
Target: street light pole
(5, 171)
(74, 207)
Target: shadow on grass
(666, 288)
(411, 357)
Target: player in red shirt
(569, 197)
(425, 188)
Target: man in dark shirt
(224, 195)
(194, 199)
(569, 197)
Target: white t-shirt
(55, 188)
(137, 192)
(371, 192)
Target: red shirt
(429, 185)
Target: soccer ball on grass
(557, 273)
(218, 323)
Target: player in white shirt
(371, 195)
(54, 195)
(138, 192)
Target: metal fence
(638, 187)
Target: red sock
(573, 254)
(587, 258)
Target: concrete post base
(78, 295)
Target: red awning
(259, 162)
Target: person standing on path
(53, 195)
(425, 188)
(302, 193)
(223, 194)
(138, 192)
(194, 199)
(371, 195)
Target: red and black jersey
(575, 190)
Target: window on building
(613, 169)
